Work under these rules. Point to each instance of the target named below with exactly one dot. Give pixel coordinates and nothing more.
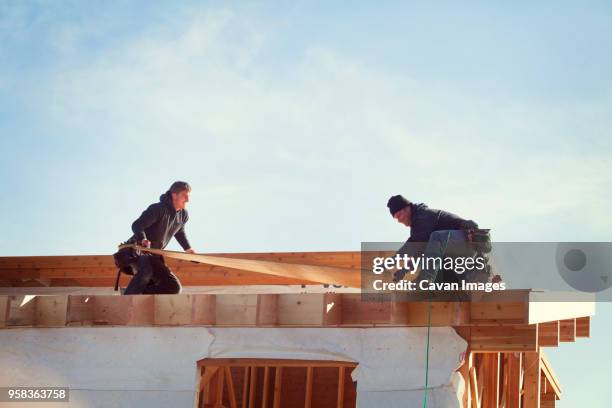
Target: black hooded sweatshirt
(426, 220)
(160, 222)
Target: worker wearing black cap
(431, 232)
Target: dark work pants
(153, 277)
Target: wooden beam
(252, 387)
(474, 388)
(278, 385)
(341, 375)
(504, 338)
(267, 310)
(531, 398)
(230, 388)
(271, 362)
(549, 375)
(321, 274)
(567, 330)
(513, 395)
(548, 334)
(583, 326)
(308, 396)
(245, 386)
(266, 386)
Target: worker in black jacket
(154, 229)
(435, 233)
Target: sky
(295, 121)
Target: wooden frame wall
(275, 383)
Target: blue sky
(295, 122)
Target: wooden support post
(474, 388)
(491, 378)
(567, 330)
(253, 387)
(504, 338)
(583, 326)
(533, 371)
(219, 388)
(341, 375)
(332, 309)
(266, 387)
(245, 387)
(278, 385)
(308, 396)
(230, 388)
(267, 310)
(4, 310)
(548, 334)
(513, 392)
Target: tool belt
(479, 239)
(125, 258)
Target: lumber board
(531, 380)
(274, 310)
(504, 338)
(320, 274)
(548, 334)
(567, 330)
(583, 326)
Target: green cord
(429, 329)
(427, 352)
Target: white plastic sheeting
(148, 366)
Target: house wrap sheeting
(156, 367)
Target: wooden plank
(474, 388)
(356, 311)
(252, 387)
(267, 310)
(219, 388)
(504, 338)
(547, 401)
(230, 388)
(513, 394)
(583, 326)
(236, 310)
(549, 374)
(491, 380)
(51, 311)
(308, 396)
(531, 397)
(4, 310)
(22, 311)
(342, 259)
(332, 309)
(548, 334)
(320, 274)
(442, 313)
(278, 384)
(131, 310)
(498, 312)
(340, 403)
(301, 309)
(266, 387)
(203, 309)
(245, 387)
(172, 310)
(275, 362)
(567, 330)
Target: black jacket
(160, 222)
(426, 220)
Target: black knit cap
(396, 203)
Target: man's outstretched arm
(181, 237)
